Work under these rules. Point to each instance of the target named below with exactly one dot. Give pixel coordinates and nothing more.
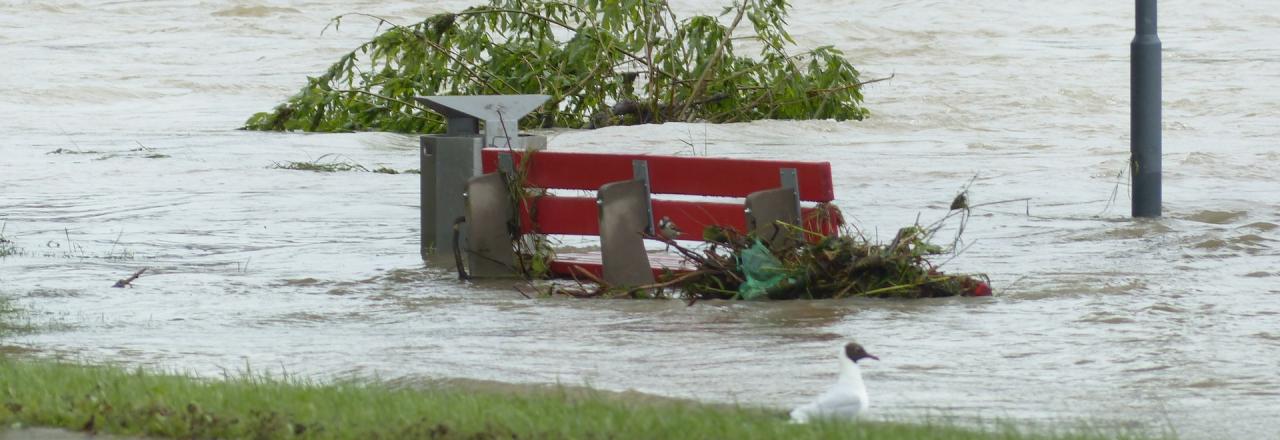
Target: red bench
(624, 185)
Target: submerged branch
(506, 47)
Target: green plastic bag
(761, 269)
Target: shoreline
(133, 402)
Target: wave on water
(254, 11)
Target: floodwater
(1169, 324)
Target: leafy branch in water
(602, 62)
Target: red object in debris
(981, 289)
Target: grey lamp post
(1144, 84)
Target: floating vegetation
(330, 163)
(319, 166)
(602, 62)
(142, 151)
(327, 163)
(322, 167)
(72, 151)
(65, 248)
(7, 246)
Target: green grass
(11, 321)
(7, 247)
(119, 401)
(105, 399)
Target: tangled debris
(847, 264)
(793, 263)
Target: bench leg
(489, 211)
(766, 208)
(624, 218)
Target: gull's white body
(844, 400)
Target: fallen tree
(602, 62)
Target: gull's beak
(872, 356)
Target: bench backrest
(701, 176)
(696, 176)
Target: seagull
(846, 398)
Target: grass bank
(119, 401)
(105, 399)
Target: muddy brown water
(1158, 324)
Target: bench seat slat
(705, 176)
(564, 264)
(579, 216)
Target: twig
(127, 281)
(470, 70)
(671, 282)
(388, 98)
(1115, 190)
(956, 254)
(521, 291)
(851, 86)
(564, 25)
(590, 276)
(113, 244)
(1024, 199)
(457, 248)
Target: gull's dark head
(855, 352)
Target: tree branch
(711, 63)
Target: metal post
(1144, 142)
(448, 162)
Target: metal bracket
(506, 164)
(790, 179)
(500, 113)
(640, 171)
